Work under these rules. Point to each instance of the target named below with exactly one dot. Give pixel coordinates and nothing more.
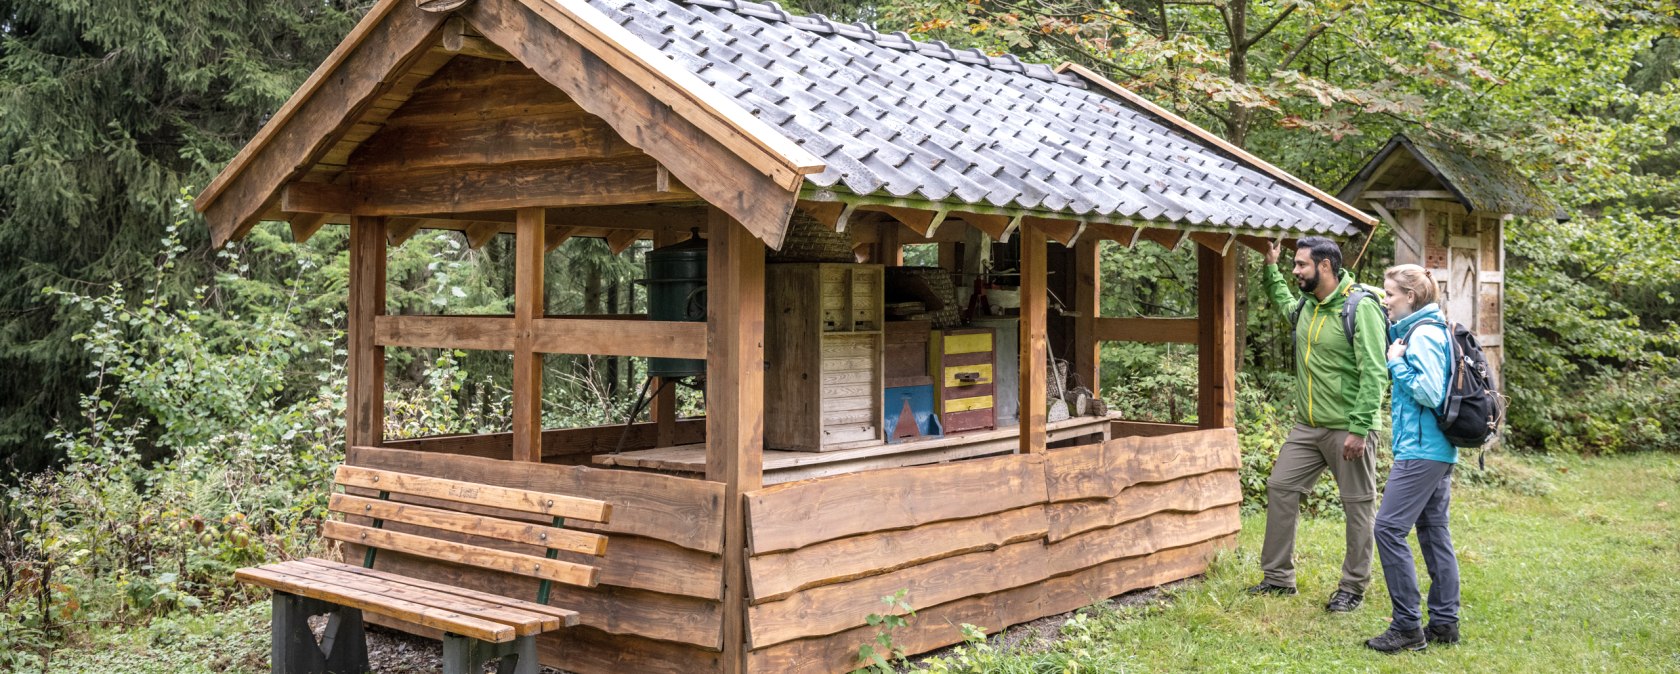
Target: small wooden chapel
(869, 426)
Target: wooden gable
(408, 119)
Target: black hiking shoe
(1265, 588)
(1446, 633)
(1394, 641)
(1344, 602)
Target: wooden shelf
(787, 466)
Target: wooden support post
(1216, 354)
(889, 248)
(1087, 301)
(734, 403)
(664, 410)
(365, 397)
(948, 259)
(527, 308)
(1035, 405)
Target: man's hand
(1397, 350)
(1273, 252)
(1353, 447)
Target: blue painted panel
(921, 405)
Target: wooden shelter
(644, 119)
(1448, 208)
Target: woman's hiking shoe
(1441, 634)
(1344, 602)
(1268, 588)
(1394, 641)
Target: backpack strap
(1350, 310)
(1295, 316)
(1452, 358)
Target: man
(1340, 380)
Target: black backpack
(1472, 412)
(1358, 293)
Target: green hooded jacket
(1337, 386)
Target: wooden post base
(465, 655)
(341, 650)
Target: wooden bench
(477, 626)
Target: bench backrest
(449, 496)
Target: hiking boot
(1446, 633)
(1394, 641)
(1267, 588)
(1344, 602)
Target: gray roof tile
(894, 117)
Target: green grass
(1575, 568)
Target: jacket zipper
(1312, 339)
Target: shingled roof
(753, 109)
(1480, 183)
(928, 124)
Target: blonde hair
(1415, 280)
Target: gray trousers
(1418, 493)
(1304, 456)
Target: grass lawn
(1576, 569)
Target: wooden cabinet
(823, 346)
(961, 362)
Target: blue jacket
(1420, 384)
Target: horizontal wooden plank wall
(562, 445)
(661, 577)
(992, 542)
(581, 336)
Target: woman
(1420, 483)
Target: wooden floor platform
(786, 466)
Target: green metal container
(676, 283)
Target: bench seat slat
(478, 525)
(523, 622)
(462, 553)
(420, 614)
(568, 618)
(554, 505)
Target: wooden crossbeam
(1149, 330)
(654, 339)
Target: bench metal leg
(342, 649)
(465, 655)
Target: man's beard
(1308, 285)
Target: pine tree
(107, 110)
